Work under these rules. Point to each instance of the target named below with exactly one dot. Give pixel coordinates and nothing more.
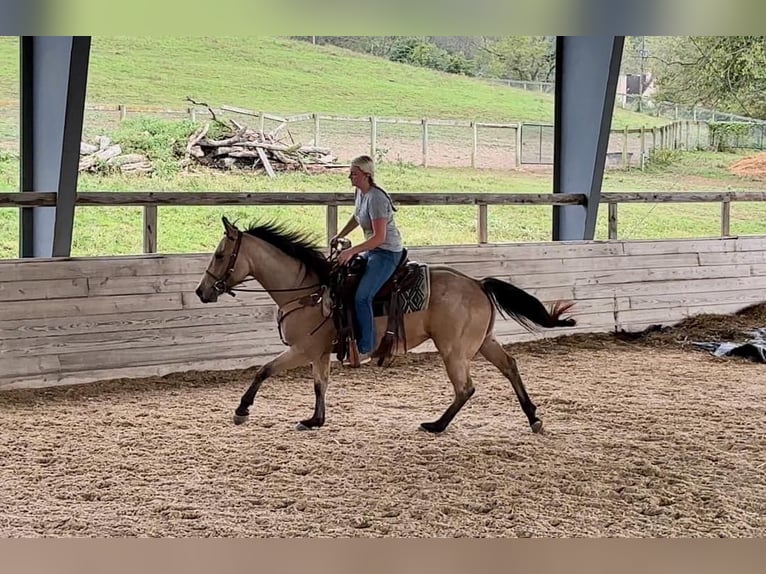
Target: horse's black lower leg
(286, 360)
(457, 369)
(495, 354)
(247, 400)
(321, 371)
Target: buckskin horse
(459, 318)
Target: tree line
(727, 73)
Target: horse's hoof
(306, 425)
(537, 427)
(240, 419)
(430, 428)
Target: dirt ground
(644, 438)
(753, 167)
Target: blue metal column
(54, 73)
(587, 69)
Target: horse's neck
(276, 270)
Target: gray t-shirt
(375, 205)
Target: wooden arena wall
(65, 321)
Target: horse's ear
(227, 224)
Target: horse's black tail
(526, 309)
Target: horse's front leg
(287, 360)
(321, 371)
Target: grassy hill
(284, 76)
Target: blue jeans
(381, 264)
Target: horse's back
(459, 313)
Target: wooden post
(331, 218)
(654, 139)
(150, 229)
(725, 217)
(481, 226)
(686, 137)
(123, 111)
(193, 115)
(474, 150)
(425, 142)
(613, 220)
(373, 137)
(261, 118)
(518, 144)
(316, 129)
(642, 137)
(625, 147)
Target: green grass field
(282, 76)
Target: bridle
(220, 284)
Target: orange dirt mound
(754, 166)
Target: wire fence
(754, 139)
(425, 141)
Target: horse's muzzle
(210, 297)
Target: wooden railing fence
(684, 134)
(151, 201)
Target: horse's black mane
(297, 244)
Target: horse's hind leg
(287, 360)
(458, 370)
(495, 354)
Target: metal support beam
(587, 69)
(54, 72)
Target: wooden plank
(698, 299)
(29, 199)
(44, 289)
(738, 258)
(150, 356)
(662, 247)
(672, 315)
(122, 266)
(617, 278)
(101, 375)
(580, 264)
(155, 339)
(254, 316)
(265, 161)
(150, 229)
(681, 196)
(499, 252)
(725, 218)
(659, 287)
(243, 300)
(133, 285)
(612, 225)
(398, 121)
(89, 306)
(497, 125)
(13, 366)
(481, 224)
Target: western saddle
(343, 284)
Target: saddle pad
(414, 299)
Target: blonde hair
(365, 165)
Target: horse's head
(225, 269)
